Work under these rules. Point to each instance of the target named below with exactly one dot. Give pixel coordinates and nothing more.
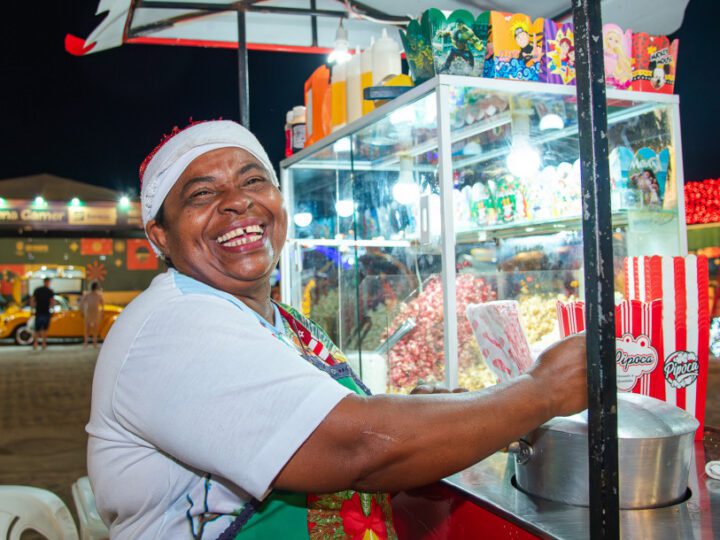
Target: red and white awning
(287, 26)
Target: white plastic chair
(91, 526)
(25, 508)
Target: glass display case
(461, 191)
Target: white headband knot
(176, 153)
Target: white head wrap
(176, 153)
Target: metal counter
(489, 484)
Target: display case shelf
(389, 217)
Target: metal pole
(598, 256)
(243, 85)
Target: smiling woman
(218, 413)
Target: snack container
(559, 52)
(515, 47)
(655, 62)
(454, 45)
(617, 48)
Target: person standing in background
(42, 302)
(92, 306)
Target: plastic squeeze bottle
(288, 133)
(338, 87)
(298, 128)
(386, 60)
(354, 87)
(366, 77)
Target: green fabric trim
(282, 515)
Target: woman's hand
(562, 370)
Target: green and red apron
(308, 516)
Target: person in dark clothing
(42, 302)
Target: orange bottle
(317, 90)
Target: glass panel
(399, 341)
(517, 204)
(320, 207)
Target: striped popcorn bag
(638, 333)
(682, 285)
(571, 318)
(638, 347)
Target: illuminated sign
(22, 214)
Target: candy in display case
(460, 192)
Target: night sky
(94, 118)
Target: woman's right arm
(390, 442)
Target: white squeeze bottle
(366, 77)
(338, 86)
(385, 58)
(354, 87)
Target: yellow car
(66, 322)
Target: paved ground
(45, 403)
(44, 406)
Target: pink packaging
(499, 333)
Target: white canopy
(285, 24)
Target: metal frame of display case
(440, 85)
(604, 515)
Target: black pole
(243, 86)
(313, 24)
(598, 255)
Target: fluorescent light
(344, 207)
(124, 201)
(551, 121)
(303, 219)
(39, 201)
(75, 202)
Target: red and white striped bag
(682, 285)
(638, 328)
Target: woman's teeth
(241, 232)
(243, 240)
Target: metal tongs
(403, 330)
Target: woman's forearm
(387, 443)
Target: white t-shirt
(196, 408)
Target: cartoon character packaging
(454, 45)
(617, 48)
(655, 62)
(514, 47)
(559, 52)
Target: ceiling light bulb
(406, 191)
(302, 219)
(344, 207)
(551, 121)
(523, 160)
(342, 145)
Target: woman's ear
(156, 234)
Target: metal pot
(655, 445)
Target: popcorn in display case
(465, 191)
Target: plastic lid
(638, 417)
(289, 116)
(298, 113)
